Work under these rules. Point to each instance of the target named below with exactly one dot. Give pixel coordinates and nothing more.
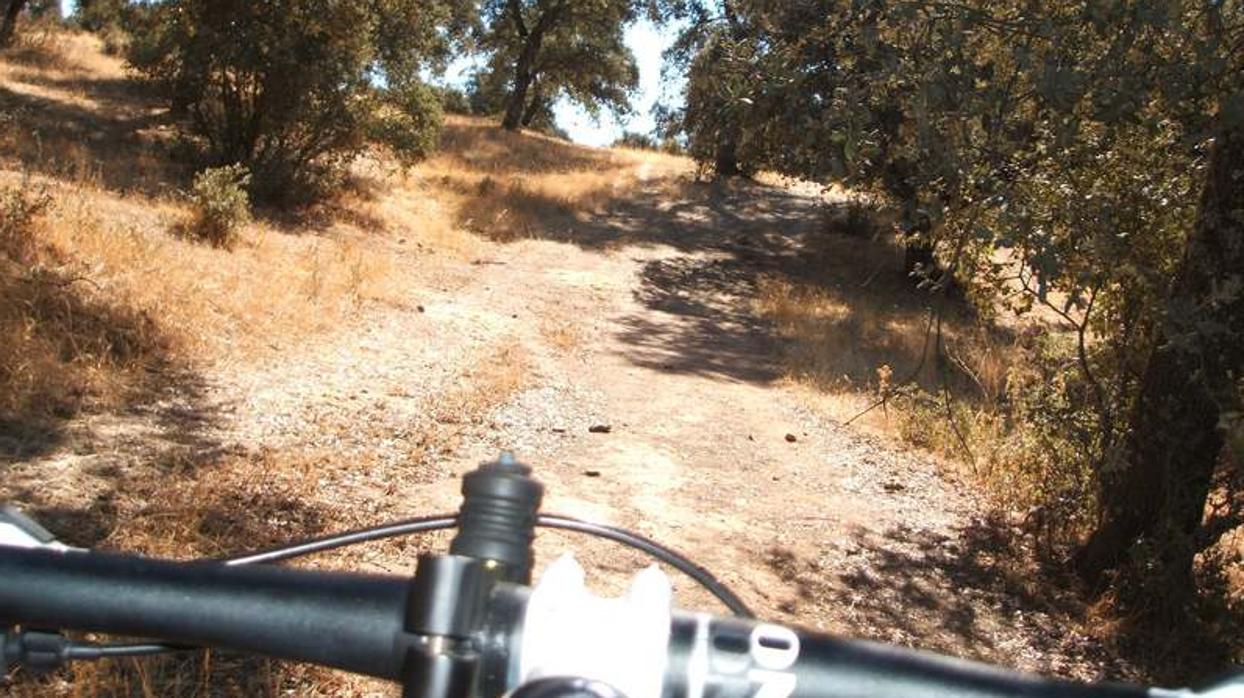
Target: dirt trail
(639, 319)
(809, 520)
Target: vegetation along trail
(205, 353)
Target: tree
(713, 50)
(540, 50)
(110, 20)
(100, 15)
(1176, 433)
(8, 25)
(1071, 138)
(288, 87)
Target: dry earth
(639, 319)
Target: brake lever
(39, 651)
(21, 531)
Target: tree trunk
(525, 68)
(1174, 439)
(726, 162)
(533, 104)
(8, 26)
(522, 82)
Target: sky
(646, 40)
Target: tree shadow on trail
(963, 593)
(705, 326)
(769, 285)
(704, 309)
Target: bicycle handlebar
(468, 625)
(346, 621)
(354, 622)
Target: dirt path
(811, 521)
(638, 319)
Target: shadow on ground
(707, 251)
(961, 593)
(105, 135)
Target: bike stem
(448, 601)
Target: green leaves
(285, 87)
(540, 50)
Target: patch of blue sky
(647, 42)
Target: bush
(108, 19)
(408, 121)
(276, 86)
(20, 206)
(221, 205)
(455, 100)
(287, 87)
(636, 141)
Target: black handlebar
(457, 628)
(829, 666)
(354, 622)
(346, 621)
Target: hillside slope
(346, 364)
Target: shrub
(408, 121)
(285, 87)
(20, 206)
(221, 205)
(108, 19)
(636, 141)
(455, 100)
(271, 85)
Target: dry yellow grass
(861, 346)
(861, 330)
(562, 334)
(507, 186)
(78, 126)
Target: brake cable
(426, 524)
(447, 521)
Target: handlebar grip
(347, 621)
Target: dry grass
(860, 327)
(89, 135)
(862, 333)
(198, 508)
(191, 505)
(105, 298)
(563, 334)
(495, 378)
(507, 186)
(862, 345)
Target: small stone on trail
(592, 473)
(791, 438)
(600, 429)
(750, 437)
(419, 308)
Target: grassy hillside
(106, 304)
(105, 282)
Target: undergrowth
(221, 205)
